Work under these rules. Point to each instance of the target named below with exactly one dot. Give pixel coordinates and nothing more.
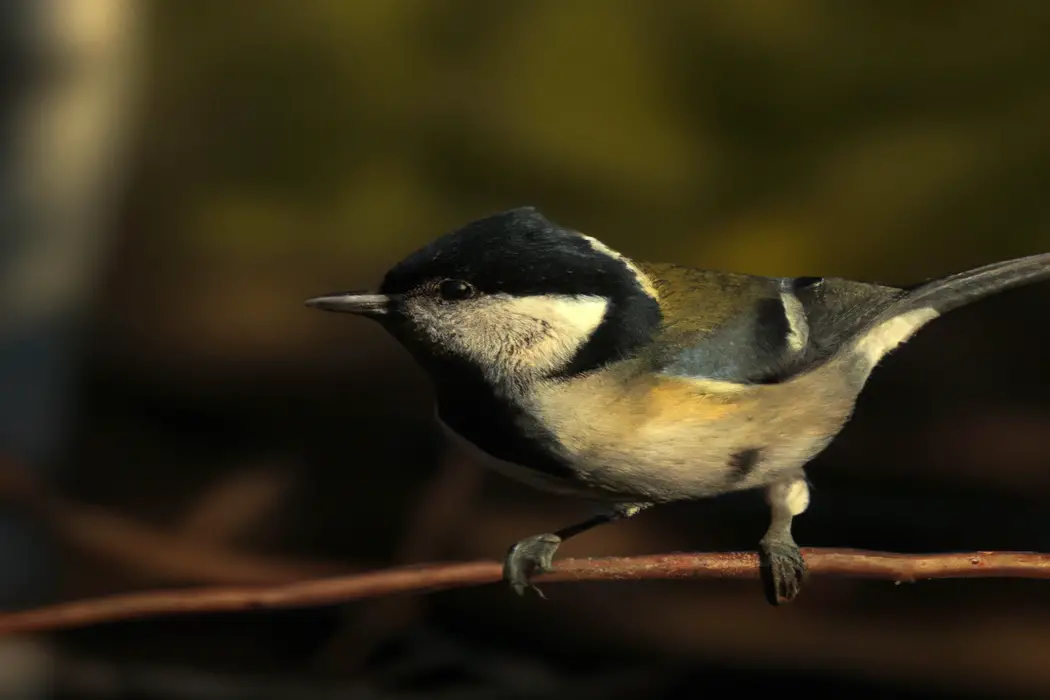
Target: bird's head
(514, 297)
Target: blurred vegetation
(318, 142)
(291, 148)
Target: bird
(570, 367)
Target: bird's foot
(528, 558)
(783, 568)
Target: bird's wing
(751, 329)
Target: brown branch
(434, 577)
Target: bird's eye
(454, 290)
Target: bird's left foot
(784, 568)
(528, 558)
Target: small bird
(566, 365)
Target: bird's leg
(532, 555)
(781, 559)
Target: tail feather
(901, 319)
(962, 288)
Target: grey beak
(371, 305)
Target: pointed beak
(360, 303)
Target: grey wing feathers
(746, 347)
(795, 324)
(775, 328)
(836, 310)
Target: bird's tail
(921, 304)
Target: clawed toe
(530, 557)
(784, 570)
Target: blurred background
(178, 177)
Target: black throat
(495, 419)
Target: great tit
(570, 367)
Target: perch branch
(434, 577)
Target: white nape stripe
(643, 279)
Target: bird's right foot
(530, 557)
(784, 568)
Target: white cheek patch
(519, 337)
(569, 317)
(889, 334)
(552, 329)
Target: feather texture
(753, 329)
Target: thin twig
(434, 577)
(446, 501)
(141, 548)
(235, 505)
